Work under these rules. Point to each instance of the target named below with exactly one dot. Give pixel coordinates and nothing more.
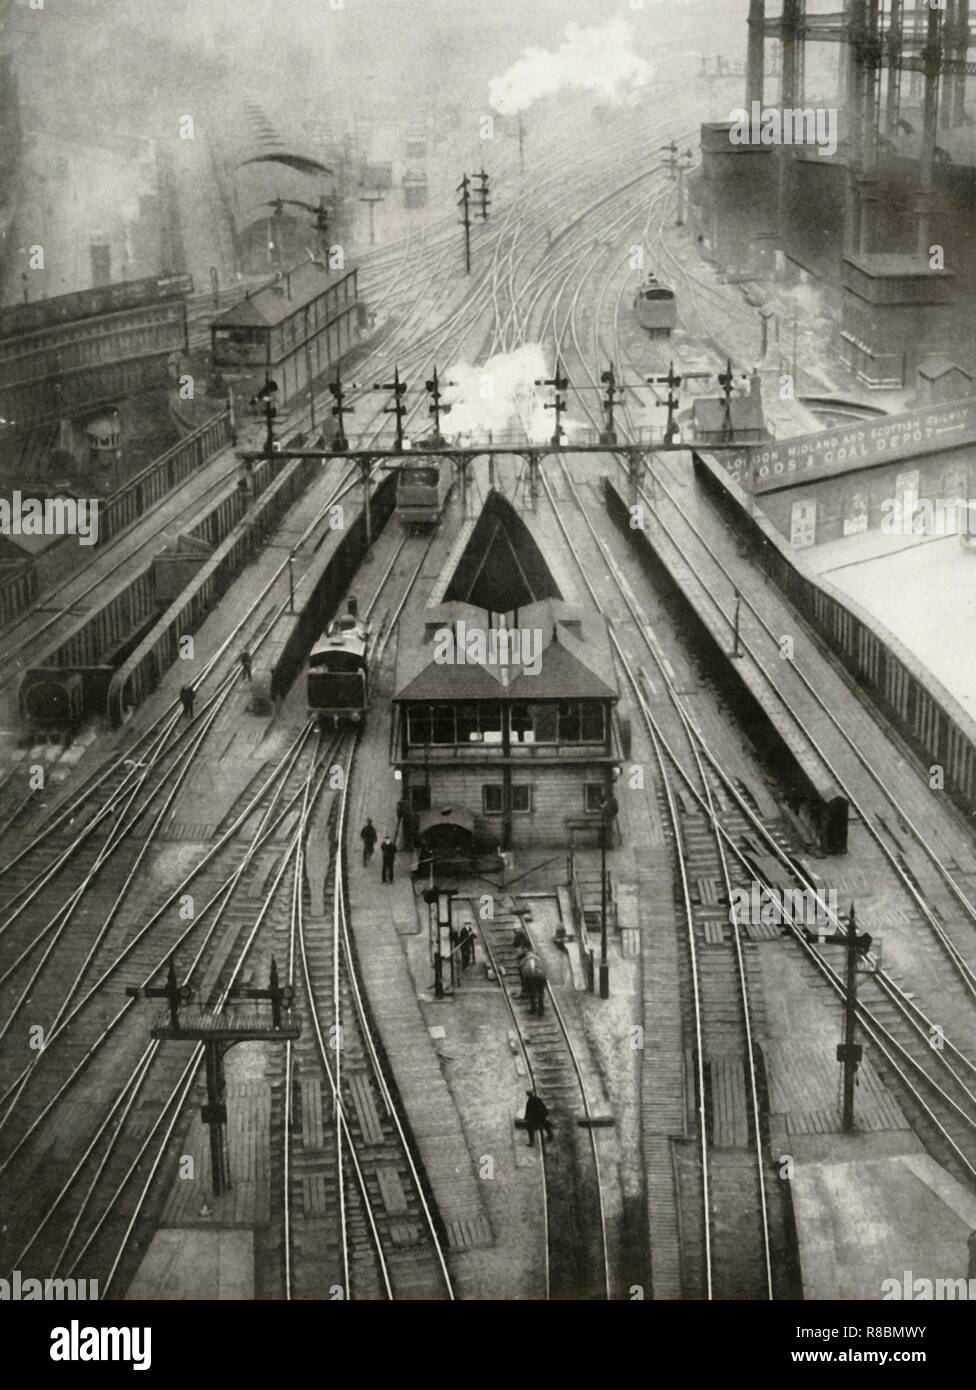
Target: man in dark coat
(186, 699)
(388, 854)
(536, 1117)
(467, 946)
(369, 837)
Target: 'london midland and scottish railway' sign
(861, 444)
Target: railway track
(244, 914)
(938, 1092)
(577, 1263)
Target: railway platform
(890, 796)
(867, 1206)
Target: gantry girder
(890, 45)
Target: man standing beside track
(368, 837)
(246, 664)
(186, 700)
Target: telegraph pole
(849, 1052)
(464, 188)
(521, 140)
(558, 404)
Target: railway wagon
(656, 308)
(422, 489)
(415, 189)
(337, 673)
(85, 304)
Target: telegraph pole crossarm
(483, 194)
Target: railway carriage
(656, 308)
(337, 675)
(422, 489)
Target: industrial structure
(875, 199)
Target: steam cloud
(501, 396)
(597, 59)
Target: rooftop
(574, 648)
(882, 264)
(282, 298)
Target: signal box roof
(574, 661)
(279, 300)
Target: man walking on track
(388, 853)
(369, 837)
(536, 1117)
(246, 665)
(186, 699)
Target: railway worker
(369, 837)
(536, 1117)
(388, 855)
(467, 941)
(246, 664)
(186, 700)
(521, 942)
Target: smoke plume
(596, 59)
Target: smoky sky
(125, 64)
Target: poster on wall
(856, 514)
(803, 524)
(906, 500)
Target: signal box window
(442, 728)
(493, 799)
(533, 723)
(418, 725)
(581, 721)
(593, 794)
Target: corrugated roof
(282, 298)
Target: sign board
(858, 444)
(803, 524)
